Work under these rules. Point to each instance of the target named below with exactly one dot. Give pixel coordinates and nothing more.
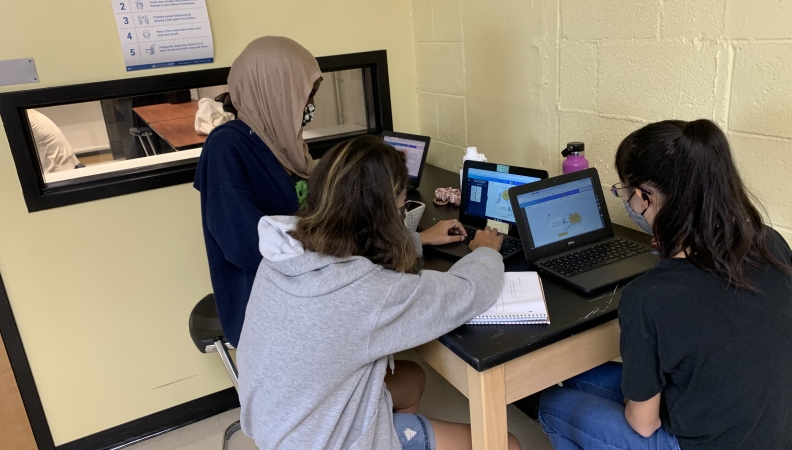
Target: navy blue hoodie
(240, 181)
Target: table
(494, 365)
(174, 123)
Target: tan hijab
(269, 85)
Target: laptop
(485, 198)
(567, 233)
(415, 148)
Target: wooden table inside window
(494, 365)
(174, 123)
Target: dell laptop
(566, 233)
(415, 149)
(485, 201)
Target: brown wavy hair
(351, 206)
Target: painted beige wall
(519, 79)
(487, 77)
(101, 291)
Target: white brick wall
(625, 63)
(440, 79)
(500, 75)
(487, 76)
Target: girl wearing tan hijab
(254, 166)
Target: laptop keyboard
(594, 257)
(510, 244)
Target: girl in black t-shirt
(705, 336)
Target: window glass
(81, 142)
(92, 139)
(340, 105)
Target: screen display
(561, 212)
(488, 193)
(414, 151)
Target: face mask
(639, 219)
(308, 114)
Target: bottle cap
(573, 149)
(471, 152)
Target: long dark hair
(351, 205)
(706, 213)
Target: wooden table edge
(491, 390)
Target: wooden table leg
(487, 394)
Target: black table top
(486, 346)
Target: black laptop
(566, 232)
(485, 197)
(415, 147)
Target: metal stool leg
(148, 136)
(143, 144)
(229, 433)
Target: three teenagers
(704, 335)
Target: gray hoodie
(319, 330)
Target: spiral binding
(510, 319)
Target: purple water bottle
(574, 157)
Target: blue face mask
(639, 219)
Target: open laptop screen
(487, 194)
(414, 151)
(561, 212)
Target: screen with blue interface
(561, 212)
(488, 193)
(413, 150)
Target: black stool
(208, 336)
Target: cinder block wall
(610, 66)
(487, 76)
(440, 79)
(626, 63)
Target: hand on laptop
(444, 232)
(488, 237)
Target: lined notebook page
(521, 300)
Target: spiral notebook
(521, 301)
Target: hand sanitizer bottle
(471, 154)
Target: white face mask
(639, 219)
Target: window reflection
(340, 105)
(84, 141)
(93, 138)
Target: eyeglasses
(617, 187)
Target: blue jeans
(415, 431)
(588, 413)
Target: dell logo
(570, 242)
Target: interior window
(89, 139)
(84, 142)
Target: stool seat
(204, 324)
(207, 334)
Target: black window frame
(39, 197)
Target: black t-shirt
(721, 357)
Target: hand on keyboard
(443, 232)
(487, 237)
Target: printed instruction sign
(163, 33)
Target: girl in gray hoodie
(336, 295)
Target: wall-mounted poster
(163, 33)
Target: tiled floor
(441, 400)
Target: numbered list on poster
(163, 33)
